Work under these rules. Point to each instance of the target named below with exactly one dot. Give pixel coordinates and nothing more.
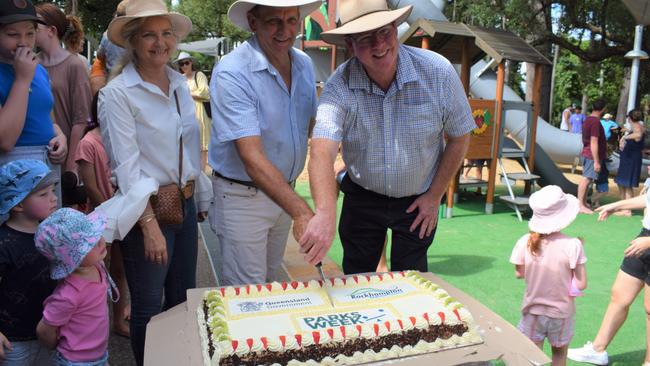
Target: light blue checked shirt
(249, 98)
(393, 141)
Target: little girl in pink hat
(553, 266)
(75, 316)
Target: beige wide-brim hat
(135, 9)
(238, 10)
(358, 16)
(553, 210)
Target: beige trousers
(252, 232)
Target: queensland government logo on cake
(373, 292)
(271, 304)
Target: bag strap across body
(180, 146)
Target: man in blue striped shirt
(263, 96)
(389, 107)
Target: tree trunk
(621, 111)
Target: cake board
(173, 337)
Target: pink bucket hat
(66, 237)
(553, 210)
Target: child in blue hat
(75, 316)
(27, 194)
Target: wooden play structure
(465, 45)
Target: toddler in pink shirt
(75, 316)
(550, 262)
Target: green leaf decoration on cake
(212, 296)
(219, 329)
(449, 300)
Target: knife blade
(319, 266)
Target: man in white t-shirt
(566, 114)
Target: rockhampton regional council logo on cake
(373, 293)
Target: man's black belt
(242, 182)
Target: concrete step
(518, 200)
(522, 176)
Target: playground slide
(553, 145)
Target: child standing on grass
(28, 195)
(552, 265)
(75, 317)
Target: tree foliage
(210, 19)
(95, 14)
(592, 35)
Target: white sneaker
(587, 354)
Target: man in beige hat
(390, 107)
(263, 97)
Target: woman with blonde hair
(151, 135)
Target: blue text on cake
(334, 320)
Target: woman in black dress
(629, 169)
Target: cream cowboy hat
(238, 10)
(358, 16)
(181, 24)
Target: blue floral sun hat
(19, 178)
(66, 237)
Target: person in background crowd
(198, 84)
(629, 168)
(263, 96)
(593, 155)
(25, 97)
(74, 39)
(68, 76)
(27, 195)
(609, 125)
(151, 135)
(108, 55)
(387, 89)
(564, 119)
(576, 120)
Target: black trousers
(365, 218)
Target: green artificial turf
(471, 251)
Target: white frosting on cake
(290, 316)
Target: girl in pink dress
(75, 316)
(553, 266)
